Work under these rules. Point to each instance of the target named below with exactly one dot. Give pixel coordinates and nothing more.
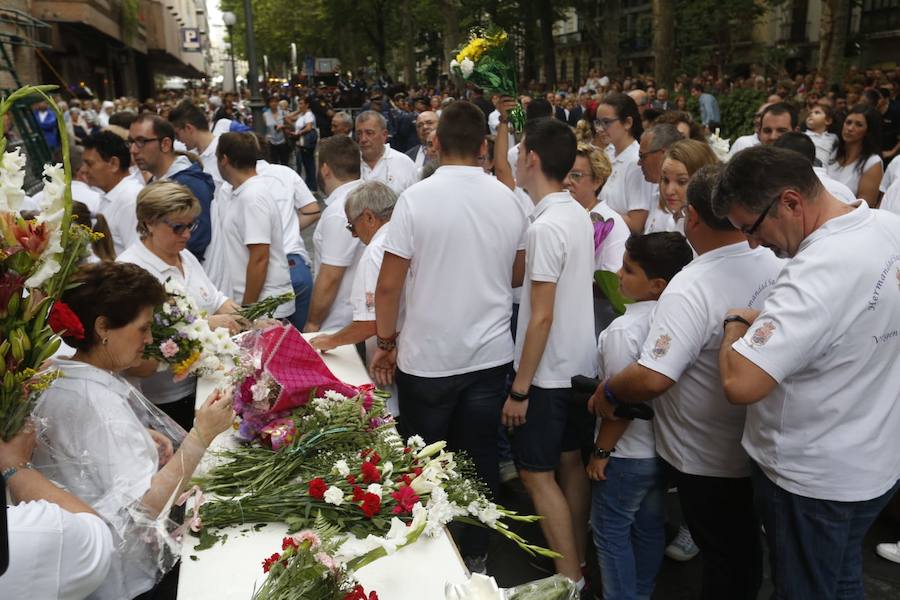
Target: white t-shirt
(835, 187)
(160, 388)
(366, 279)
(626, 189)
(618, 346)
(252, 217)
(119, 207)
(459, 227)
(559, 248)
(55, 554)
(824, 143)
(307, 118)
(394, 169)
(891, 174)
(659, 219)
(291, 196)
(222, 126)
(337, 247)
(850, 175)
(697, 431)
(891, 200)
(828, 334)
(613, 248)
(210, 163)
(745, 141)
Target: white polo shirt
(559, 248)
(850, 174)
(55, 554)
(211, 163)
(697, 431)
(337, 247)
(460, 230)
(290, 194)
(835, 187)
(891, 200)
(618, 346)
(824, 143)
(119, 207)
(362, 296)
(828, 334)
(160, 388)
(745, 141)
(394, 169)
(891, 175)
(659, 219)
(613, 248)
(626, 189)
(252, 217)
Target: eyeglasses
(762, 217)
(643, 155)
(576, 175)
(604, 123)
(140, 142)
(180, 228)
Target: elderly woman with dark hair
(97, 443)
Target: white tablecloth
(232, 570)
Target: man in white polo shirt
(554, 342)
(456, 235)
(192, 129)
(379, 160)
(253, 236)
(698, 434)
(818, 367)
(337, 251)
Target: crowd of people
(752, 308)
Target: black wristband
(517, 396)
(735, 319)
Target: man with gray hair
(368, 208)
(342, 124)
(818, 368)
(379, 161)
(426, 122)
(651, 154)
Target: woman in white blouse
(683, 159)
(167, 214)
(106, 444)
(857, 158)
(626, 191)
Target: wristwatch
(735, 319)
(601, 453)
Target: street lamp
(230, 20)
(256, 103)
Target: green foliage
(707, 30)
(129, 19)
(738, 108)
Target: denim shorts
(553, 424)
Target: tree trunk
(409, 43)
(451, 33)
(664, 42)
(609, 39)
(529, 41)
(833, 38)
(548, 44)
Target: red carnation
(359, 593)
(371, 505)
(358, 493)
(370, 473)
(65, 322)
(351, 478)
(270, 562)
(317, 488)
(375, 458)
(407, 450)
(417, 471)
(406, 479)
(289, 542)
(406, 498)
(364, 452)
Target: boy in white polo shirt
(253, 244)
(819, 367)
(698, 434)
(554, 342)
(627, 513)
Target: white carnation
(342, 468)
(334, 495)
(466, 66)
(415, 441)
(334, 396)
(374, 488)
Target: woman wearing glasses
(626, 191)
(167, 213)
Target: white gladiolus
(432, 449)
(466, 66)
(12, 177)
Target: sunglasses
(180, 228)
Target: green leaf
(608, 282)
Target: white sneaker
(890, 551)
(682, 547)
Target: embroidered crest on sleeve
(661, 348)
(370, 300)
(762, 334)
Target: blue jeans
(302, 282)
(464, 410)
(628, 519)
(815, 546)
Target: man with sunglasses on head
(106, 163)
(151, 141)
(818, 368)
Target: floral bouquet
(720, 146)
(488, 61)
(37, 258)
(183, 340)
(280, 372)
(306, 568)
(265, 307)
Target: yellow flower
(496, 40)
(473, 50)
(182, 368)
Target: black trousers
(720, 514)
(181, 411)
